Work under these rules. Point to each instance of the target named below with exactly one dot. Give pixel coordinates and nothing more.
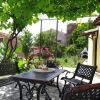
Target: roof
(93, 32)
(97, 21)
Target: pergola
(41, 30)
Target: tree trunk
(10, 47)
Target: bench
(7, 69)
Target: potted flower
(45, 54)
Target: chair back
(8, 68)
(82, 92)
(85, 72)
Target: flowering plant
(46, 54)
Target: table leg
(58, 86)
(39, 91)
(42, 89)
(20, 90)
(29, 92)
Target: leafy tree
(17, 14)
(48, 39)
(77, 42)
(26, 42)
(71, 9)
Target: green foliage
(26, 12)
(17, 14)
(64, 9)
(70, 61)
(77, 42)
(1, 50)
(20, 11)
(48, 39)
(71, 49)
(59, 50)
(2, 47)
(26, 41)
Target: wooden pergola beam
(90, 32)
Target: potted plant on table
(46, 54)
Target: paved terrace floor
(10, 93)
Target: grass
(69, 61)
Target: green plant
(77, 42)
(17, 14)
(48, 39)
(26, 41)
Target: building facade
(94, 44)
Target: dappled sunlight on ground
(9, 92)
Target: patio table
(35, 77)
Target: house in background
(70, 29)
(94, 44)
(2, 35)
(61, 36)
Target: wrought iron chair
(82, 75)
(82, 92)
(7, 69)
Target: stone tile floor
(9, 92)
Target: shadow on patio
(9, 92)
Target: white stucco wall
(90, 50)
(98, 50)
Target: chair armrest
(66, 75)
(68, 72)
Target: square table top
(32, 76)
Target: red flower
(46, 54)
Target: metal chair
(7, 69)
(82, 92)
(82, 75)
